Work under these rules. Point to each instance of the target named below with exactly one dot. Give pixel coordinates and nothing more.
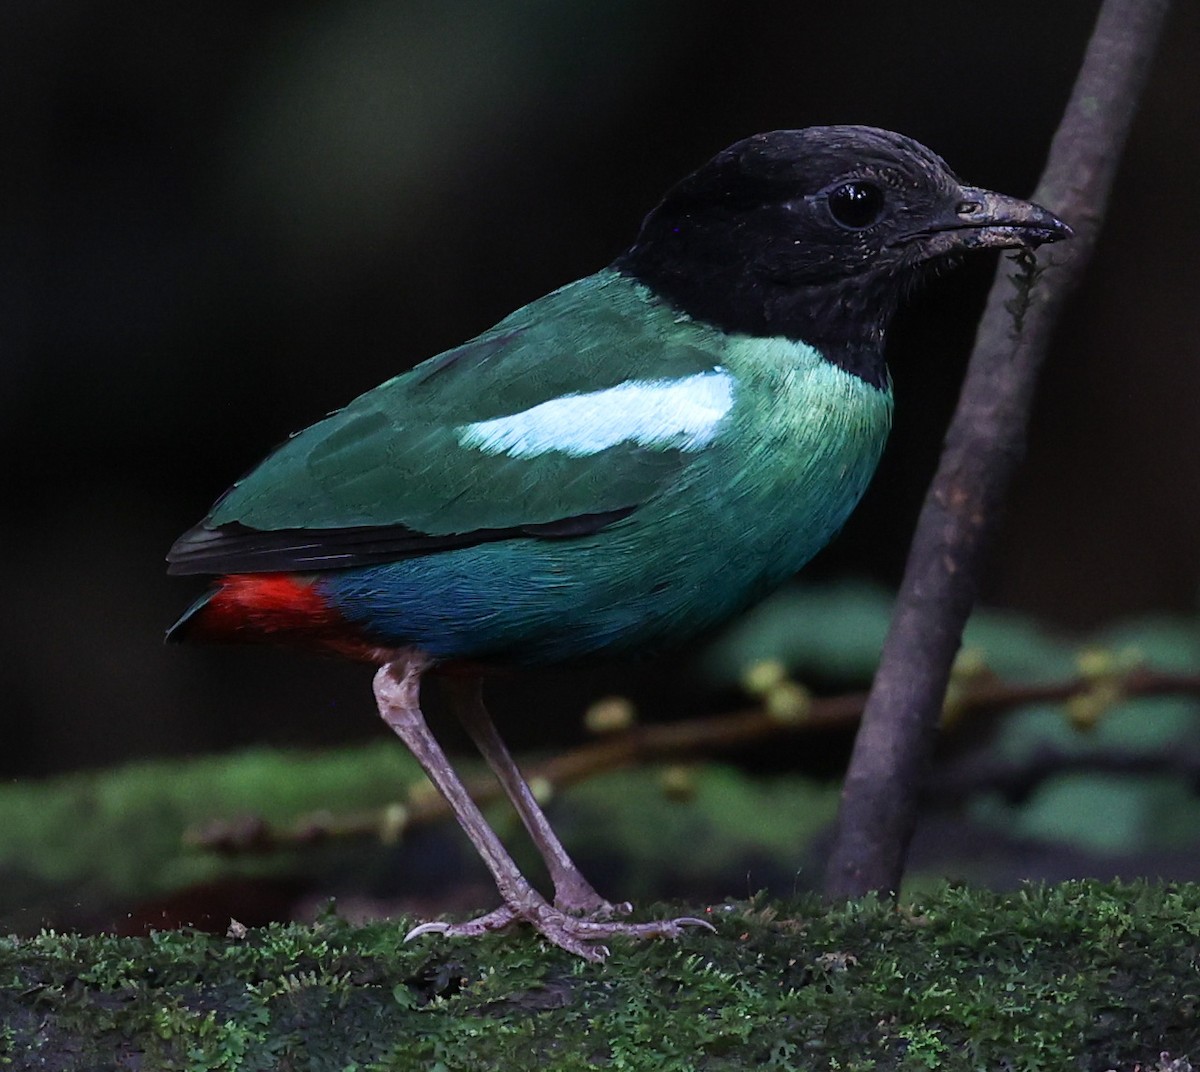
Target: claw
(433, 927)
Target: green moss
(1080, 976)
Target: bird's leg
(572, 892)
(397, 692)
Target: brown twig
(984, 443)
(1015, 780)
(982, 697)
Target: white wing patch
(681, 414)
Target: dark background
(220, 221)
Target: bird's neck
(843, 319)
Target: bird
(615, 468)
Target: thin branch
(983, 446)
(1015, 780)
(983, 697)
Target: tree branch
(983, 697)
(984, 443)
(1016, 780)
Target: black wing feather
(237, 548)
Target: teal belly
(532, 602)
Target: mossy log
(1079, 976)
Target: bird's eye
(856, 204)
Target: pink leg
(397, 692)
(572, 892)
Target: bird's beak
(980, 219)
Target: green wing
(397, 473)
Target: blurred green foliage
(834, 634)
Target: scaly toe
(657, 928)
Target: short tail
(181, 631)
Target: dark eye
(856, 204)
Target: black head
(815, 234)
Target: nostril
(969, 208)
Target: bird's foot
(582, 936)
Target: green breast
(801, 444)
